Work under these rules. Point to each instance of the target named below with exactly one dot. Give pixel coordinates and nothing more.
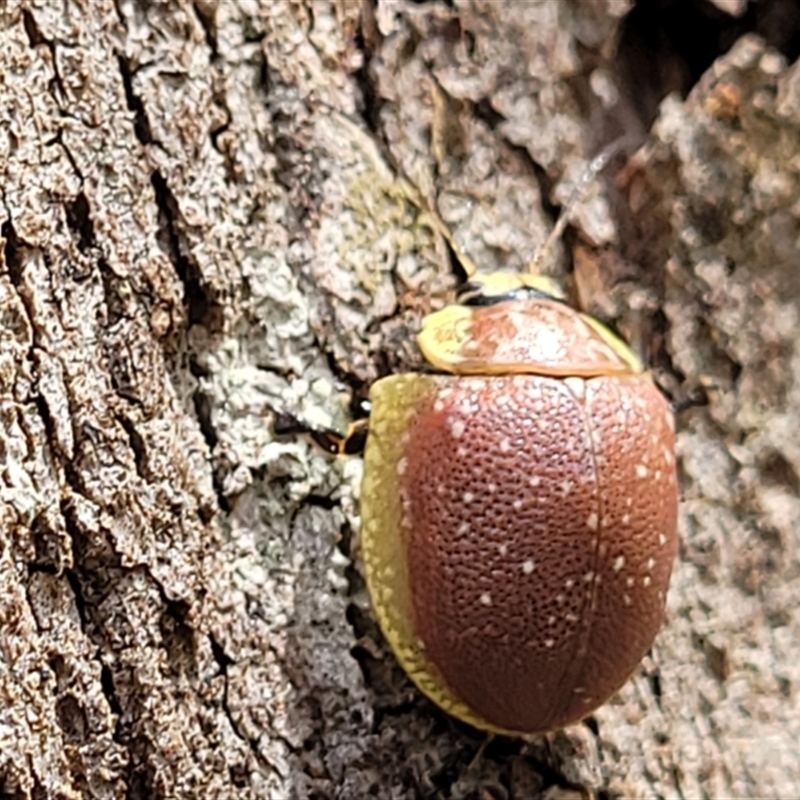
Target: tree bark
(212, 213)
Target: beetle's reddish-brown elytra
(519, 515)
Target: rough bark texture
(208, 214)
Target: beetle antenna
(593, 169)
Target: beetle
(519, 509)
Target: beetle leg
(349, 443)
(691, 398)
(355, 437)
(480, 752)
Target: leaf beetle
(519, 509)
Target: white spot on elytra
(463, 529)
(517, 504)
(619, 563)
(642, 471)
(468, 497)
(534, 481)
(629, 502)
(402, 466)
(438, 406)
(486, 599)
(629, 582)
(491, 488)
(651, 562)
(505, 445)
(626, 599)
(570, 617)
(646, 581)
(589, 576)
(569, 583)
(559, 598)
(577, 386)
(626, 518)
(457, 428)
(662, 540)
(549, 643)
(527, 566)
(503, 548)
(566, 487)
(591, 521)
(462, 452)
(551, 620)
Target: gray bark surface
(211, 212)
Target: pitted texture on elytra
(634, 451)
(527, 510)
